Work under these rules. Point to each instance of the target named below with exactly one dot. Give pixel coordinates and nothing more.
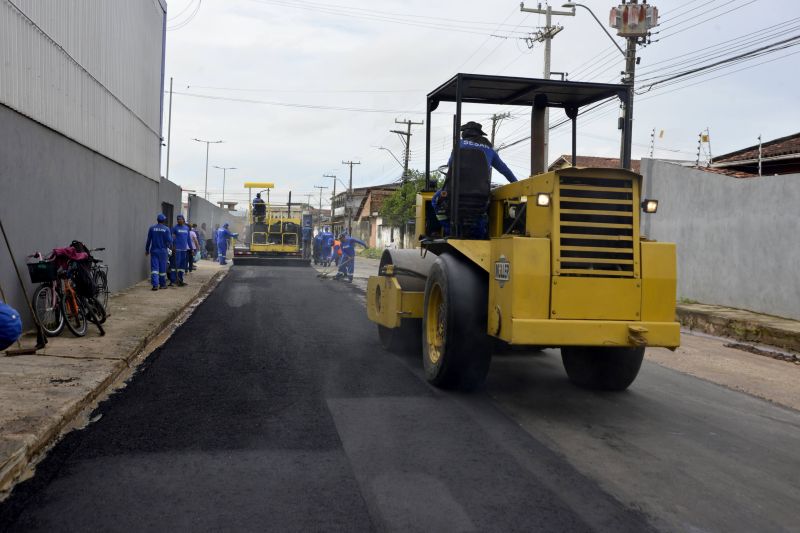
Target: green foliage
(371, 253)
(399, 207)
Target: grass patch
(371, 253)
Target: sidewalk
(44, 394)
(744, 326)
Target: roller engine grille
(596, 224)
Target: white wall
(89, 69)
(738, 239)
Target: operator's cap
(473, 127)
(225, 225)
(181, 217)
(161, 217)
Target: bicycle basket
(43, 271)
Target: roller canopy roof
(506, 90)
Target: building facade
(81, 98)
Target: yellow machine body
(575, 273)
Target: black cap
(472, 128)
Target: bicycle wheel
(94, 313)
(74, 313)
(101, 282)
(48, 310)
(97, 309)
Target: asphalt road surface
(274, 408)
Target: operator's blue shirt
(307, 232)
(492, 159)
(181, 235)
(158, 238)
(348, 246)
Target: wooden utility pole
(319, 216)
(350, 196)
(333, 196)
(496, 119)
(406, 136)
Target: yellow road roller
(554, 260)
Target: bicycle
(99, 273)
(85, 291)
(46, 299)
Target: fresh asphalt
(274, 408)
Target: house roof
(585, 161)
(376, 198)
(789, 145)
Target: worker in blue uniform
(307, 232)
(159, 241)
(223, 234)
(326, 248)
(317, 247)
(348, 262)
(181, 246)
(472, 138)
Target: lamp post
(224, 176)
(205, 193)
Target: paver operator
(159, 241)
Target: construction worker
(307, 231)
(10, 326)
(159, 240)
(182, 245)
(317, 247)
(337, 251)
(347, 263)
(223, 234)
(327, 246)
(259, 208)
(472, 138)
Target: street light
(573, 5)
(224, 176)
(392, 154)
(205, 194)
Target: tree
(400, 206)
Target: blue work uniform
(158, 242)
(492, 159)
(223, 234)
(481, 230)
(326, 246)
(348, 262)
(182, 242)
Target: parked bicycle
(99, 272)
(66, 294)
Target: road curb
(31, 449)
(741, 326)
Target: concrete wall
(202, 211)
(738, 239)
(54, 190)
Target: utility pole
(406, 136)
(350, 195)
(546, 35)
(224, 176)
(333, 196)
(169, 127)
(496, 119)
(319, 217)
(205, 193)
(308, 200)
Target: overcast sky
(232, 60)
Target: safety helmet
(180, 217)
(161, 217)
(225, 225)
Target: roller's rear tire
(456, 349)
(602, 368)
